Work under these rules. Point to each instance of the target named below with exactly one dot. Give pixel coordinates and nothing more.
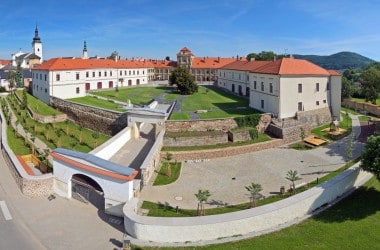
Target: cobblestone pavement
(226, 178)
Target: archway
(87, 190)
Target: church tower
(37, 44)
(85, 53)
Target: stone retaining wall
(290, 134)
(257, 220)
(240, 136)
(201, 140)
(201, 125)
(32, 186)
(47, 118)
(362, 107)
(223, 152)
(105, 121)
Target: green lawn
(350, 111)
(17, 144)
(63, 134)
(163, 179)
(180, 116)
(38, 106)
(137, 95)
(363, 100)
(96, 102)
(346, 123)
(353, 223)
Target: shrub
(253, 133)
(248, 121)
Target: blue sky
(159, 28)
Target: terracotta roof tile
(79, 63)
(245, 65)
(5, 62)
(210, 62)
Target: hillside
(338, 61)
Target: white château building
(283, 87)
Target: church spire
(85, 53)
(36, 38)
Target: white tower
(37, 44)
(85, 53)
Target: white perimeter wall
(113, 145)
(266, 217)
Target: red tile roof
(333, 72)
(5, 62)
(185, 51)
(210, 62)
(284, 66)
(79, 63)
(163, 64)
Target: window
(144, 72)
(328, 86)
(324, 101)
(110, 72)
(40, 76)
(271, 87)
(300, 106)
(99, 85)
(77, 90)
(299, 87)
(129, 72)
(254, 84)
(121, 72)
(317, 103)
(317, 86)
(57, 77)
(105, 73)
(77, 76)
(100, 73)
(134, 72)
(262, 86)
(45, 90)
(262, 104)
(138, 72)
(93, 74)
(87, 74)
(45, 77)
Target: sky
(159, 28)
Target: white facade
(72, 83)
(284, 95)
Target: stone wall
(211, 139)
(105, 121)
(262, 219)
(223, 152)
(47, 118)
(290, 134)
(362, 107)
(315, 117)
(201, 125)
(238, 136)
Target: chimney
(274, 58)
(218, 59)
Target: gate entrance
(86, 190)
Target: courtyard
(227, 177)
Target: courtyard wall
(260, 219)
(362, 107)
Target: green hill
(338, 61)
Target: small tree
(67, 127)
(168, 157)
(96, 137)
(292, 176)
(202, 197)
(80, 128)
(58, 132)
(182, 77)
(371, 156)
(17, 122)
(254, 191)
(350, 147)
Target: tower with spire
(37, 44)
(85, 53)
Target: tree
(347, 88)
(371, 156)
(202, 197)
(184, 80)
(254, 191)
(18, 77)
(292, 176)
(114, 55)
(80, 128)
(350, 147)
(264, 56)
(168, 157)
(371, 84)
(12, 80)
(24, 99)
(95, 135)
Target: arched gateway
(76, 171)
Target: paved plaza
(227, 177)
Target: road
(13, 232)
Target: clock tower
(37, 45)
